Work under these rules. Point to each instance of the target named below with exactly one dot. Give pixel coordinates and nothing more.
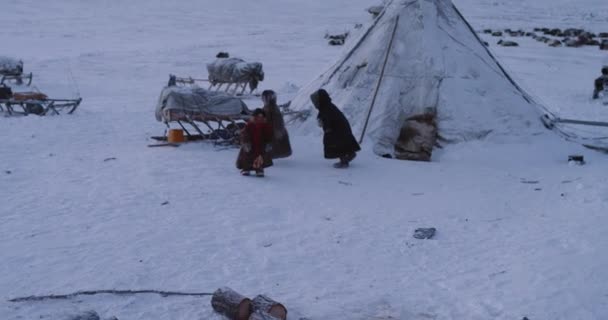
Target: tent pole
(388, 51)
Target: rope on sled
(110, 291)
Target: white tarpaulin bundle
(10, 66)
(197, 102)
(436, 69)
(235, 70)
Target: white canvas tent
(431, 76)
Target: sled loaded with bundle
(230, 75)
(34, 102)
(222, 114)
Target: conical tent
(429, 76)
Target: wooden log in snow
(267, 305)
(231, 304)
(258, 315)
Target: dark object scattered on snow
(8, 172)
(337, 39)
(526, 181)
(555, 43)
(587, 39)
(222, 54)
(571, 37)
(573, 43)
(576, 159)
(525, 318)
(516, 33)
(507, 43)
(553, 32)
(485, 43)
(109, 159)
(87, 315)
(375, 10)
(572, 32)
(358, 25)
(164, 203)
(497, 273)
(424, 233)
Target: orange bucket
(176, 136)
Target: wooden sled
(37, 103)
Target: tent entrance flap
(417, 138)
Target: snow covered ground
(520, 232)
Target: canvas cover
(10, 66)
(198, 101)
(436, 66)
(235, 70)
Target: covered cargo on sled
(230, 75)
(224, 115)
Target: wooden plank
(167, 144)
(582, 122)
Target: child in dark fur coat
(256, 144)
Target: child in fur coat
(256, 144)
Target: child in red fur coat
(256, 144)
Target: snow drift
(439, 81)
